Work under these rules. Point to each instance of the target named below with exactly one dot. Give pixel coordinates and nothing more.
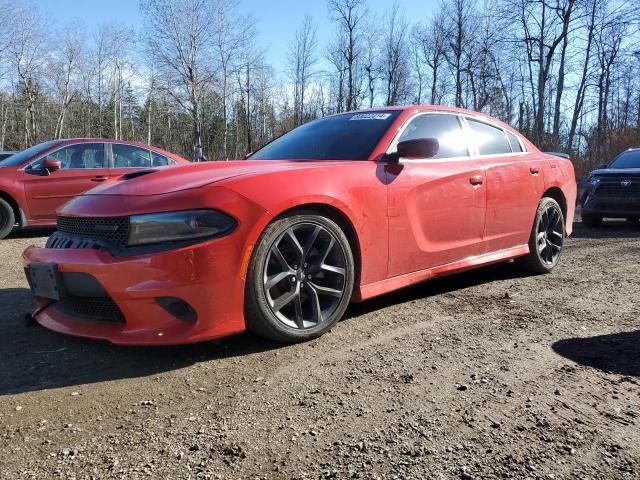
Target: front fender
(355, 189)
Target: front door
(83, 167)
(436, 206)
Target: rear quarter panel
(559, 173)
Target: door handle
(476, 180)
(99, 179)
(534, 170)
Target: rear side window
(490, 140)
(444, 128)
(158, 160)
(128, 156)
(515, 144)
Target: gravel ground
(488, 374)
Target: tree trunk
(542, 82)
(580, 95)
(225, 127)
(566, 19)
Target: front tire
(592, 221)
(300, 279)
(547, 238)
(7, 219)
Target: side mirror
(51, 164)
(603, 166)
(416, 149)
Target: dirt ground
(489, 374)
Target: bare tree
(417, 64)
(394, 52)
(301, 60)
(349, 16)
(608, 41)
(431, 44)
(371, 63)
(119, 40)
(545, 25)
(231, 33)
(63, 71)
(102, 40)
(564, 10)
(458, 16)
(27, 52)
(180, 35)
(252, 65)
(591, 9)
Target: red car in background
(340, 209)
(34, 183)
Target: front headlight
(176, 226)
(593, 181)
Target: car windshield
(349, 136)
(25, 155)
(628, 159)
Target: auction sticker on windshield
(370, 116)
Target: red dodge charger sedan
(341, 209)
(36, 181)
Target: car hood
(617, 172)
(174, 179)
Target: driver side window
(444, 128)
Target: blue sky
(277, 20)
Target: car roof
(104, 140)
(438, 108)
(422, 107)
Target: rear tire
(7, 219)
(546, 239)
(300, 279)
(593, 221)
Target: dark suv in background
(613, 190)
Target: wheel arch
(341, 219)
(557, 194)
(14, 206)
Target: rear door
(436, 205)
(83, 167)
(515, 184)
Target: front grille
(111, 229)
(619, 190)
(62, 241)
(95, 308)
